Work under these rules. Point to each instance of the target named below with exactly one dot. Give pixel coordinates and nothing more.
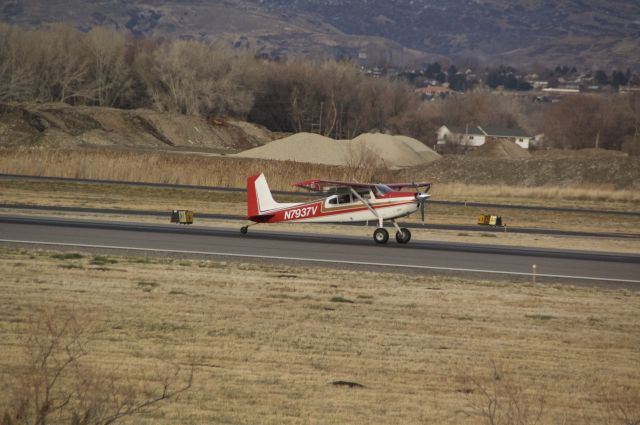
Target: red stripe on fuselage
(316, 209)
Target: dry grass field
(232, 172)
(587, 196)
(165, 167)
(268, 341)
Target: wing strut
(368, 205)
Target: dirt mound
(64, 126)
(500, 149)
(366, 149)
(302, 147)
(579, 153)
(618, 172)
(396, 151)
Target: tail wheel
(244, 229)
(381, 235)
(404, 236)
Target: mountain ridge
(589, 34)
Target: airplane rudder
(252, 197)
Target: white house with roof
(477, 136)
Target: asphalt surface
(242, 190)
(428, 226)
(428, 258)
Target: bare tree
(331, 98)
(632, 140)
(18, 73)
(68, 66)
(481, 108)
(194, 78)
(55, 385)
(111, 75)
(622, 403)
(496, 399)
(587, 121)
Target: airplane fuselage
(331, 210)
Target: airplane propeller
(421, 197)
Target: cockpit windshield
(383, 189)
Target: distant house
(434, 92)
(538, 84)
(472, 137)
(561, 90)
(628, 89)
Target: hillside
(588, 33)
(241, 24)
(59, 126)
(585, 33)
(576, 169)
(63, 126)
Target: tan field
(268, 340)
(232, 172)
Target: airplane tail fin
(259, 198)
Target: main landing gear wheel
(403, 237)
(244, 229)
(381, 235)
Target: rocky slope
(63, 126)
(585, 33)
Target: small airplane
(345, 202)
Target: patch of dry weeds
(268, 341)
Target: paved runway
(235, 217)
(488, 261)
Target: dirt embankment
(64, 126)
(500, 149)
(617, 172)
(501, 162)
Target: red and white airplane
(345, 202)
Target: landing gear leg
(403, 235)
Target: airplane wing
(321, 185)
(398, 186)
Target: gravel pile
(367, 149)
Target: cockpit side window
(342, 199)
(364, 194)
(382, 189)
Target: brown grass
(170, 168)
(104, 164)
(533, 195)
(268, 341)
